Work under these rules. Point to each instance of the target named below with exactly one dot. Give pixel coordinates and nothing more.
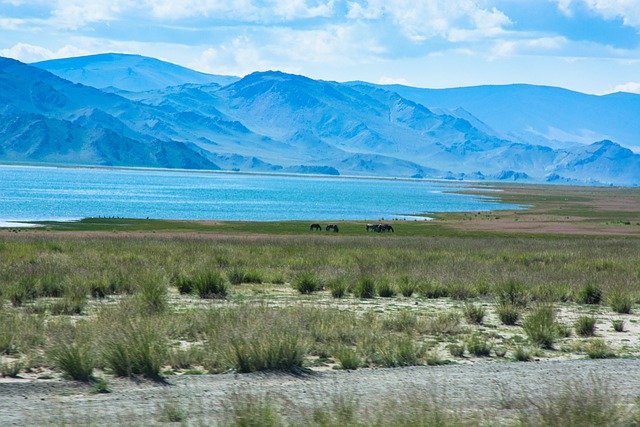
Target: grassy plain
(104, 298)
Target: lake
(30, 193)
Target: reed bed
(145, 305)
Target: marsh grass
(348, 358)
(338, 287)
(618, 325)
(585, 326)
(508, 313)
(478, 345)
(11, 369)
(597, 348)
(210, 285)
(407, 286)
(252, 411)
(307, 282)
(365, 288)
(133, 346)
(587, 404)
(279, 351)
(541, 326)
(386, 289)
(620, 300)
(590, 294)
(473, 313)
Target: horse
(386, 227)
(315, 227)
(372, 227)
(333, 227)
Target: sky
(591, 46)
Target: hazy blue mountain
(133, 73)
(543, 115)
(277, 122)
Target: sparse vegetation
(585, 326)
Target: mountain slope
(133, 73)
(541, 115)
(272, 121)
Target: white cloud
(631, 87)
(627, 10)
(535, 46)
(30, 53)
(384, 80)
(454, 20)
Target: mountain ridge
(278, 122)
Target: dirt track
(490, 387)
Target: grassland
(103, 299)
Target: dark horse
(373, 227)
(333, 227)
(315, 227)
(386, 227)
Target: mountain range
(128, 110)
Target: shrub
(253, 276)
(278, 351)
(184, 284)
(443, 324)
(134, 347)
(597, 348)
(590, 294)
(76, 360)
(210, 285)
(365, 288)
(522, 354)
(338, 288)
(407, 287)
(620, 301)
(386, 289)
(618, 325)
(456, 350)
(172, 412)
(252, 411)
(478, 345)
(11, 369)
(307, 283)
(578, 404)
(585, 326)
(152, 295)
(512, 292)
(100, 386)
(236, 276)
(473, 313)
(399, 352)
(541, 327)
(432, 290)
(347, 358)
(508, 313)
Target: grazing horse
(315, 227)
(372, 227)
(386, 227)
(333, 227)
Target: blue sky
(592, 46)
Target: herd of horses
(376, 228)
(329, 227)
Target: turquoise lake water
(50, 193)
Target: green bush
(338, 288)
(210, 285)
(386, 289)
(134, 347)
(620, 301)
(432, 289)
(521, 354)
(512, 292)
(585, 326)
(456, 350)
(184, 284)
(307, 283)
(508, 313)
(407, 287)
(618, 325)
(268, 351)
(541, 327)
(365, 288)
(597, 348)
(590, 294)
(473, 313)
(76, 360)
(236, 276)
(348, 358)
(478, 345)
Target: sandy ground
(494, 388)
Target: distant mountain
(277, 122)
(543, 115)
(132, 73)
